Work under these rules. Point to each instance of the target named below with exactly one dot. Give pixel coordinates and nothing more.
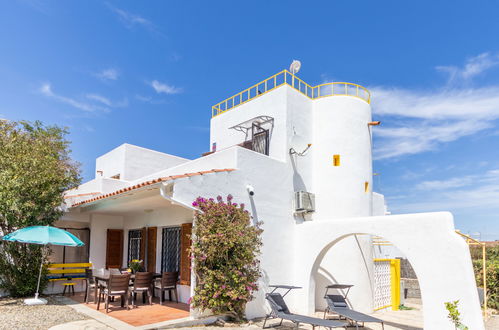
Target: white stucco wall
(273, 207)
(340, 127)
(438, 255)
(132, 162)
(99, 224)
(273, 104)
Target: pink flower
(229, 197)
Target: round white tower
(342, 160)
(342, 175)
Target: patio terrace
(142, 314)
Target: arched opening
(373, 265)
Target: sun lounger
(338, 304)
(281, 311)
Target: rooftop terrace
(287, 78)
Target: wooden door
(185, 260)
(151, 248)
(114, 248)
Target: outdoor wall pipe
(164, 194)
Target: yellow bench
(63, 272)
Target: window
(260, 139)
(170, 250)
(134, 244)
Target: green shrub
(454, 314)
(225, 249)
(492, 279)
(35, 170)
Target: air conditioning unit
(304, 202)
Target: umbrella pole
(39, 276)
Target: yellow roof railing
(287, 78)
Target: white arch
(438, 255)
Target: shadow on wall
(349, 261)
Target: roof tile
(150, 182)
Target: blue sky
(147, 73)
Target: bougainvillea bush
(225, 248)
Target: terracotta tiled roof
(80, 195)
(151, 182)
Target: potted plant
(135, 265)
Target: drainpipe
(164, 194)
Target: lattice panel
(382, 285)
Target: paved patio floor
(142, 314)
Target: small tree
(35, 170)
(225, 249)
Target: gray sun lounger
(338, 304)
(281, 311)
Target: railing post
(484, 261)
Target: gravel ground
(15, 315)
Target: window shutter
(114, 248)
(185, 261)
(151, 248)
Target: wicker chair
(142, 284)
(118, 286)
(168, 283)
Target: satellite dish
(299, 145)
(295, 67)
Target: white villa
(300, 158)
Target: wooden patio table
(104, 277)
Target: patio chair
(338, 304)
(118, 286)
(89, 284)
(281, 311)
(142, 284)
(168, 282)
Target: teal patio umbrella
(43, 235)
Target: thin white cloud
(476, 191)
(108, 74)
(160, 87)
(472, 68)
(445, 184)
(131, 20)
(104, 100)
(46, 90)
(421, 120)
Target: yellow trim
(67, 271)
(380, 308)
(86, 264)
(296, 83)
(336, 160)
(65, 279)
